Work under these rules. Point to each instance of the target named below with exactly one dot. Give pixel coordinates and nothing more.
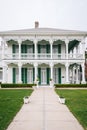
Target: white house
(44, 54)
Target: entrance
(30, 75)
(43, 76)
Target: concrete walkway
(44, 112)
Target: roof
(39, 31)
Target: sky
(61, 14)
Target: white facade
(44, 54)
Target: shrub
(70, 85)
(10, 85)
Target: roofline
(42, 31)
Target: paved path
(44, 112)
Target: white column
(4, 74)
(67, 73)
(74, 54)
(36, 74)
(83, 73)
(51, 48)
(51, 75)
(3, 49)
(66, 42)
(77, 74)
(83, 47)
(35, 45)
(19, 43)
(19, 68)
(51, 71)
(74, 76)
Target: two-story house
(42, 54)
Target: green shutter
(23, 48)
(33, 75)
(48, 48)
(13, 48)
(33, 48)
(59, 48)
(22, 74)
(25, 75)
(48, 75)
(14, 75)
(39, 75)
(59, 75)
(39, 48)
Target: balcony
(42, 56)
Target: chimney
(36, 24)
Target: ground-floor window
(57, 75)
(28, 75)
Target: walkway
(44, 112)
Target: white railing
(43, 56)
(58, 56)
(28, 56)
(11, 56)
(75, 56)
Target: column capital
(19, 41)
(20, 64)
(35, 64)
(83, 40)
(35, 41)
(50, 41)
(67, 64)
(66, 41)
(51, 64)
(82, 64)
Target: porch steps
(44, 86)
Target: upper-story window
(15, 48)
(57, 48)
(27, 48)
(44, 48)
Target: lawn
(10, 103)
(76, 100)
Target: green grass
(10, 103)
(76, 100)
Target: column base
(83, 82)
(68, 82)
(20, 82)
(77, 82)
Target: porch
(46, 56)
(43, 73)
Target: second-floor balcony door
(15, 50)
(57, 51)
(43, 50)
(30, 49)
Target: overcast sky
(62, 14)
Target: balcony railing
(43, 56)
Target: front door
(30, 75)
(43, 76)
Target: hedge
(70, 85)
(9, 85)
